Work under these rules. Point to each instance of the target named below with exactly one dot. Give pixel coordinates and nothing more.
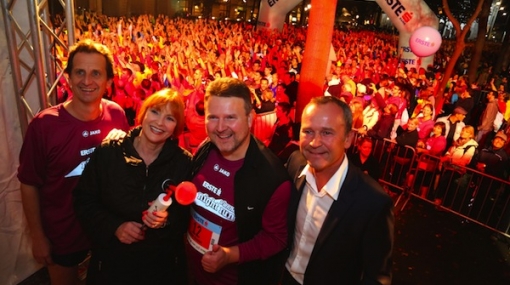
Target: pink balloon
(425, 41)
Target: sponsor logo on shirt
(78, 170)
(86, 152)
(218, 207)
(211, 188)
(221, 170)
(91, 133)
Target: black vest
(254, 184)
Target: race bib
(202, 233)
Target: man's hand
(215, 260)
(41, 250)
(130, 232)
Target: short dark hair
(89, 46)
(346, 110)
(363, 139)
(140, 65)
(443, 127)
(128, 71)
(199, 107)
(230, 87)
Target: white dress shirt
(311, 214)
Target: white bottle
(161, 203)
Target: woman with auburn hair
(117, 186)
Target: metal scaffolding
(33, 46)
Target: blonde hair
(470, 130)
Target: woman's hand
(156, 219)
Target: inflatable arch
(406, 15)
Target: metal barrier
(474, 196)
(422, 178)
(263, 126)
(468, 193)
(396, 161)
(465, 192)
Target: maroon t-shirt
(213, 217)
(54, 153)
(213, 221)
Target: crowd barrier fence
(263, 126)
(468, 193)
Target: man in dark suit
(341, 218)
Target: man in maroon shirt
(238, 227)
(57, 145)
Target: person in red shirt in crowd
(196, 128)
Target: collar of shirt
(334, 184)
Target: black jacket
(355, 243)
(116, 187)
(496, 161)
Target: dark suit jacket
(355, 242)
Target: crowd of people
(157, 52)
(203, 87)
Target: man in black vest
(238, 228)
